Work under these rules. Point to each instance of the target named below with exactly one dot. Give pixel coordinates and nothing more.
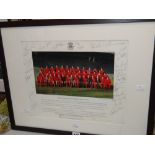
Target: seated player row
(73, 77)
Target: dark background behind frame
(150, 123)
(53, 22)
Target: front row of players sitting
(73, 77)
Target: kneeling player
(108, 83)
(76, 81)
(59, 81)
(94, 83)
(68, 83)
(51, 81)
(84, 81)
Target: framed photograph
(80, 76)
(74, 73)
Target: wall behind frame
(141, 41)
(2, 86)
(1, 80)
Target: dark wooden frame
(151, 112)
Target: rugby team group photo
(83, 74)
(73, 77)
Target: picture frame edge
(56, 22)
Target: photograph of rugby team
(73, 77)
(86, 74)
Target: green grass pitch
(82, 92)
